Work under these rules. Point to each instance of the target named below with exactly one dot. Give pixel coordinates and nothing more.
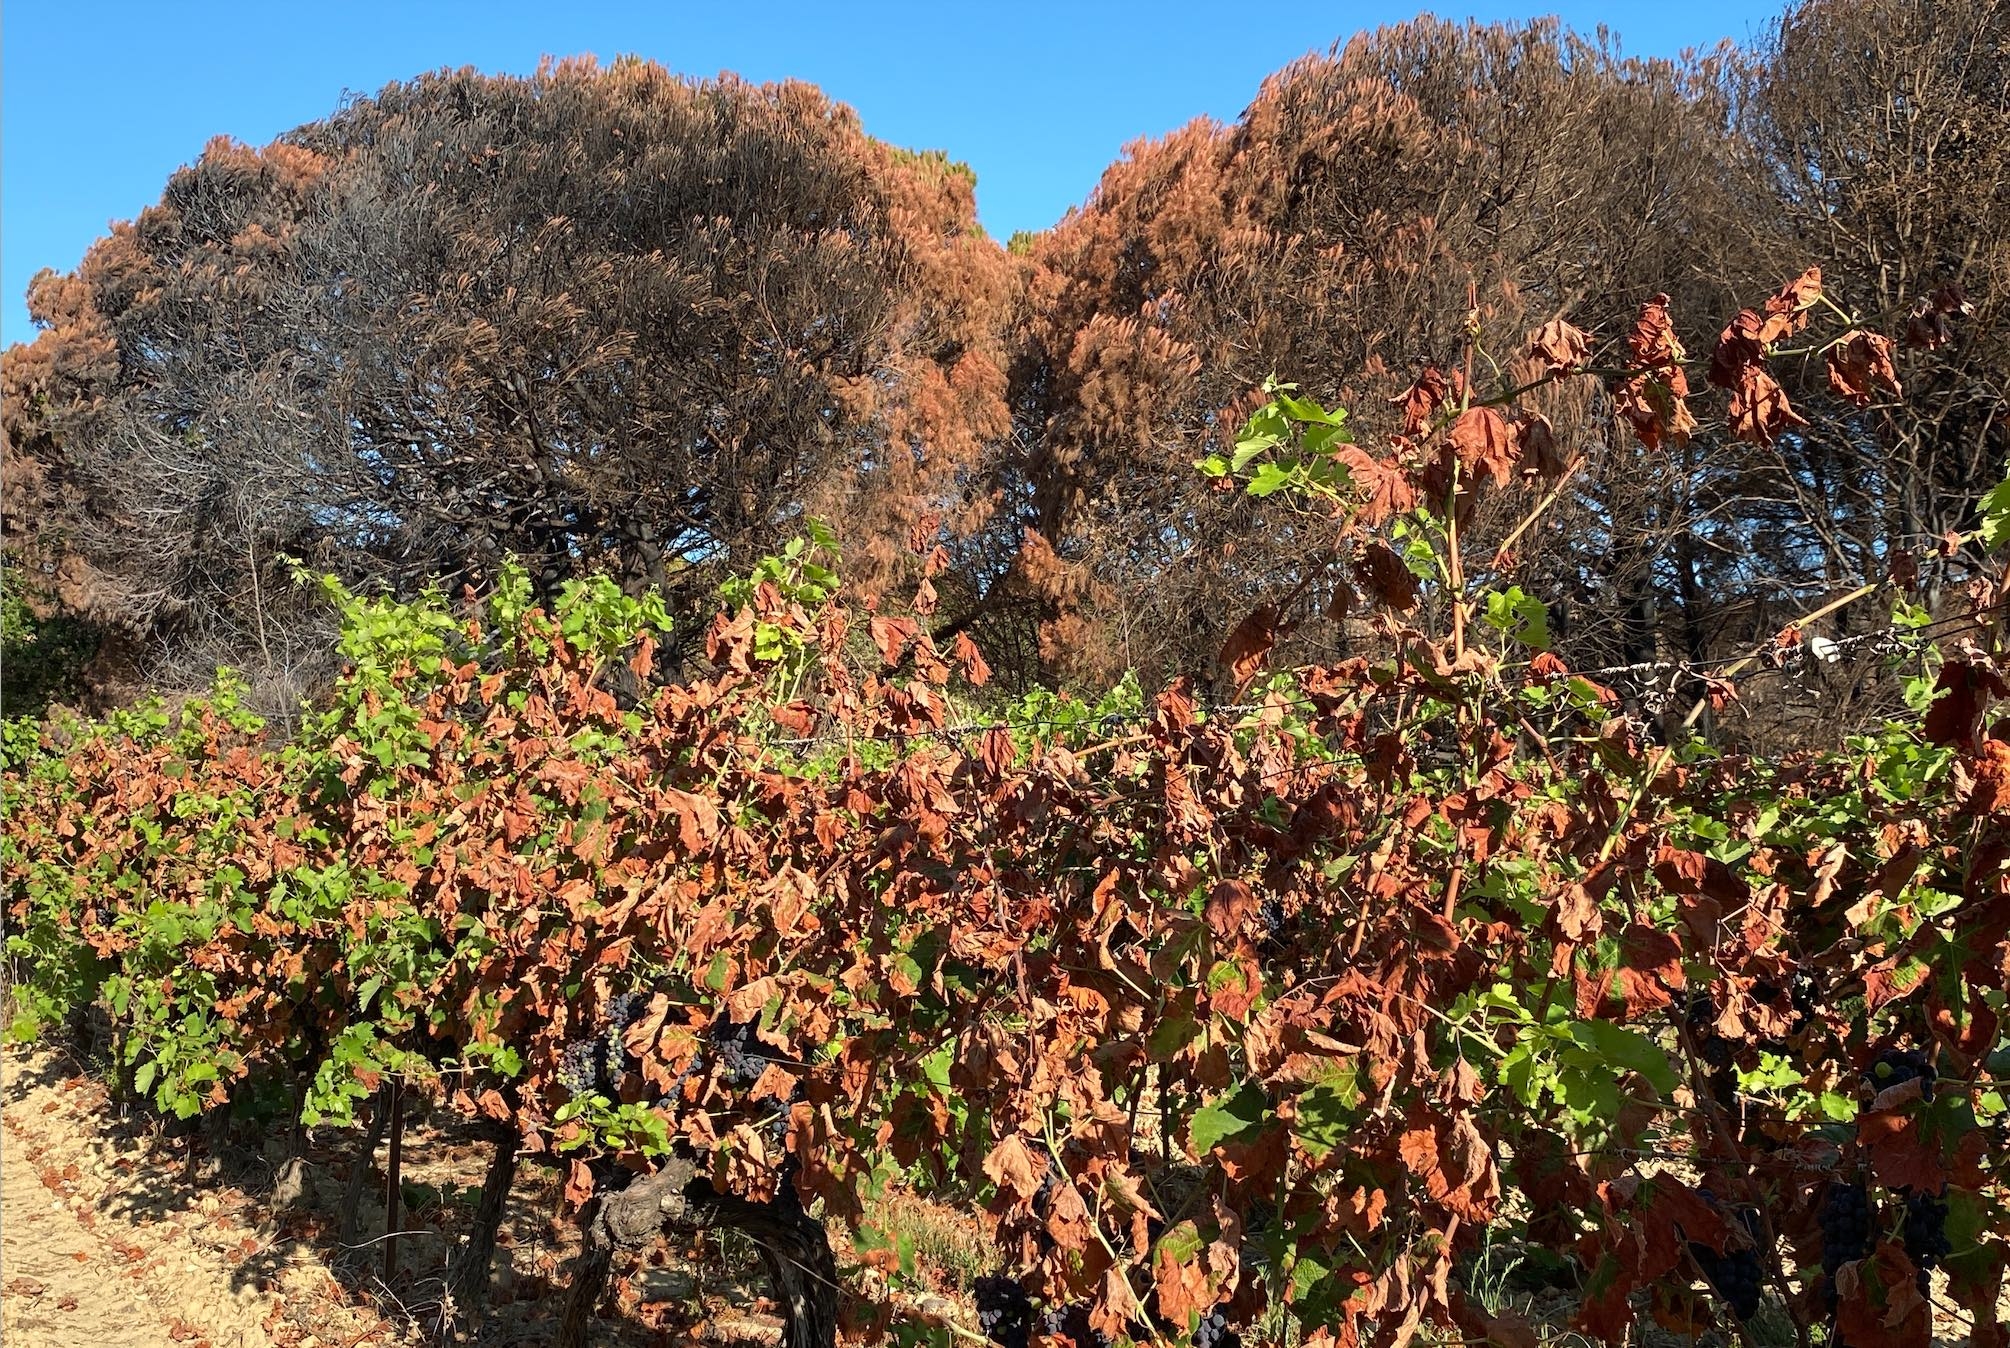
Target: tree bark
(359, 1172)
(468, 1283)
(793, 1248)
(393, 1180)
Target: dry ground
(111, 1237)
(110, 1240)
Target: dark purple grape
(1004, 1311)
(621, 1009)
(1895, 1067)
(1213, 1332)
(741, 1057)
(1847, 1223)
(579, 1066)
(1071, 1322)
(1737, 1275)
(1925, 1233)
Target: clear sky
(101, 99)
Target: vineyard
(1247, 1022)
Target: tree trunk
(359, 1173)
(800, 1267)
(393, 1179)
(792, 1244)
(468, 1283)
(589, 1276)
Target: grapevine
(1226, 1016)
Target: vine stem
(1454, 565)
(1116, 1260)
(392, 1180)
(1714, 1113)
(1541, 507)
(1859, 592)
(1455, 572)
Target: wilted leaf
(1860, 362)
(1878, 1304)
(1653, 399)
(578, 1184)
(1385, 488)
(1385, 578)
(1485, 447)
(1786, 309)
(1558, 348)
(1249, 644)
(1014, 1165)
(891, 635)
(1421, 401)
(972, 660)
(1228, 903)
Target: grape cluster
(740, 1055)
(596, 1064)
(1071, 1322)
(1735, 1275)
(740, 1059)
(1846, 1221)
(579, 1066)
(1004, 1312)
(1699, 1017)
(1895, 1067)
(622, 1009)
(1214, 1332)
(622, 1006)
(1926, 1242)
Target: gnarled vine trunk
(794, 1249)
(468, 1282)
(348, 1216)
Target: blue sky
(99, 102)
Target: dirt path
(98, 1250)
(57, 1279)
(106, 1242)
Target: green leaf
(1306, 410)
(1249, 449)
(1321, 439)
(1234, 1114)
(1325, 1113)
(1269, 478)
(1996, 514)
(1628, 1049)
(870, 1238)
(1183, 1242)
(1519, 616)
(1169, 1035)
(1306, 1274)
(1971, 1219)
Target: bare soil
(114, 1234)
